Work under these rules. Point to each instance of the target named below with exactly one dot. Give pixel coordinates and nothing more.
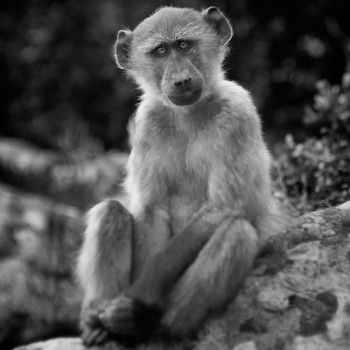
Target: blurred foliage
(58, 75)
(316, 172)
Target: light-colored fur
(210, 154)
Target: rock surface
(75, 182)
(301, 303)
(38, 244)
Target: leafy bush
(316, 172)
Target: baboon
(199, 202)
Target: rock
(56, 344)
(328, 299)
(38, 296)
(249, 345)
(316, 343)
(254, 325)
(273, 298)
(348, 255)
(79, 183)
(303, 305)
(314, 315)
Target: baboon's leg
(115, 249)
(104, 265)
(197, 271)
(212, 280)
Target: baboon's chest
(185, 166)
(185, 171)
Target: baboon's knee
(105, 261)
(114, 222)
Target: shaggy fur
(198, 188)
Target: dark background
(59, 80)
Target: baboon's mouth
(187, 97)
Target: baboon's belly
(182, 208)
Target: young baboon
(198, 187)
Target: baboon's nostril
(182, 83)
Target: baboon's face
(176, 70)
(175, 53)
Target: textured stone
(273, 299)
(304, 305)
(249, 345)
(254, 325)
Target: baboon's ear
(220, 23)
(123, 48)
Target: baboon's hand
(118, 317)
(93, 332)
(129, 320)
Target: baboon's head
(176, 53)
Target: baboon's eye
(184, 44)
(161, 50)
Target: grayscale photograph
(175, 175)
